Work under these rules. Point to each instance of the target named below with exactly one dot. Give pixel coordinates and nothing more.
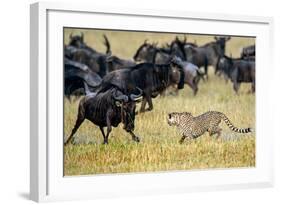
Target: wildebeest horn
(216, 38)
(82, 36)
(145, 41)
(70, 36)
(184, 40)
(122, 97)
(134, 97)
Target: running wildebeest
(107, 109)
(152, 79)
(238, 71)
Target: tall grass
(159, 149)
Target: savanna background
(159, 149)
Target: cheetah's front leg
(185, 135)
(182, 139)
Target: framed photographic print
(130, 102)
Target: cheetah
(193, 127)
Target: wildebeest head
(127, 104)
(220, 41)
(145, 52)
(177, 48)
(177, 66)
(76, 40)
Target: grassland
(159, 149)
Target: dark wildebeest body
(78, 51)
(107, 109)
(78, 78)
(249, 53)
(151, 78)
(238, 71)
(115, 63)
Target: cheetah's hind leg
(215, 130)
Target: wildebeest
(150, 53)
(107, 109)
(82, 53)
(177, 47)
(78, 78)
(146, 52)
(191, 72)
(201, 56)
(238, 71)
(116, 63)
(78, 42)
(151, 78)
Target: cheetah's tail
(233, 128)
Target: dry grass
(159, 149)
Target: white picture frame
(46, 141)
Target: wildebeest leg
(79, 121)
(225, 78)
(206, 69)
(134, 137)
(253, 87)
(143, 103)
(175, 88)
(108, 123)
(197, 79)
(236, 86)
(103, 134)
(150, 105)
(193, 86)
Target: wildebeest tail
(233, 128)
(107, 44)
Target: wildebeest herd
(112, 86)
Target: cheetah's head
(175, 118)
(172, 118)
